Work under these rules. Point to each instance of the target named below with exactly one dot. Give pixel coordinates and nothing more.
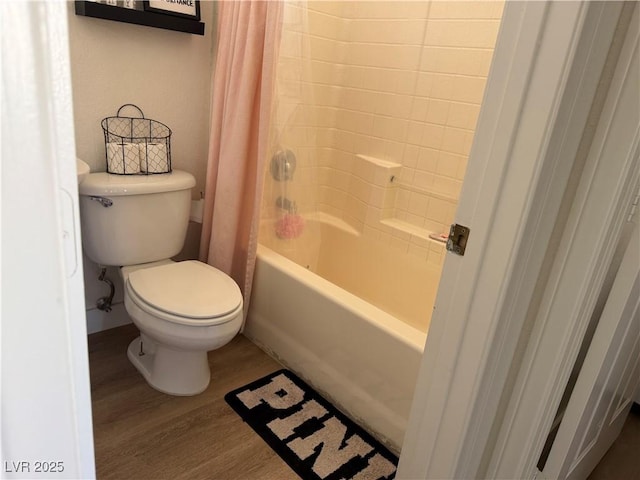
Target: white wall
(166, 73)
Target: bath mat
(315, 439)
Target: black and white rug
(315, 439)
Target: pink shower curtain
(248, 38)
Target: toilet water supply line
(104, 303)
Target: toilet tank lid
(103, 183)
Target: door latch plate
(458, 237)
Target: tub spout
(286, 204)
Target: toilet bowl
(183, 310)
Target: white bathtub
(363, 359)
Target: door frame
(602, 397)
(547, 65)
(587, 246)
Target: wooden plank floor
(143, 434)
(140, 433)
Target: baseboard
(99, 320)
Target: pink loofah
(289, 226)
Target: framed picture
(179, 8)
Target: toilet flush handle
(104, 201)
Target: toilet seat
(188, 293)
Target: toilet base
(175, 372)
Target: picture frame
(179, 8)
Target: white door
(603, 393)
(604, 193)
(546, 69)
(45, 418)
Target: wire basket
(136, 145)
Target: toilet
(182, 309)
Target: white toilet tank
(133, 219)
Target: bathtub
(361, 357)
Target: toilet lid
(187, 289)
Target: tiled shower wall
(398, 81)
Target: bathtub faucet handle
(283, 165)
